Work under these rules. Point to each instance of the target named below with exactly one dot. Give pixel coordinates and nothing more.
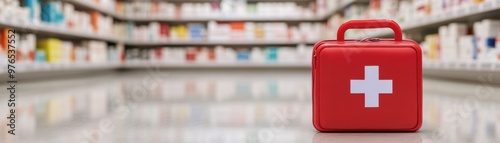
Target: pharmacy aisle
(220, 106)
(120, 71)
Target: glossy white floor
(226, 107)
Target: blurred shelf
(340, 7)
(219, 0)
(483, 72)
(463, 66)
(443, 18)
(290, 99)
(41, 67)
(45, 67)
(88, 5)
(61, 32)
(57, 31)
(214, 43)
(319, 17)
(262, 18)
(135, 65)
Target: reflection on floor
(226, 107)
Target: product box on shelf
(97, 51)
(52, 48)
(34, 9)
(52, 12)
(26, 49)
(449, 36)
(460, 42)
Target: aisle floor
(227, 107)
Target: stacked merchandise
(455, 43)
(322, 6)
(425, 8)
(487, 32)
(237, 8)
(31, 50)
(332, 25)
(219, 54)
(220, 31)
(377, 9)
(11, 10)
(64, 14)
(57, 51)
(55, 13)
(4, 46)
(448, 40)
(103, 4)
(406, 11)
(263, 9)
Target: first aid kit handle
(367, 24)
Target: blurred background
(121, 71)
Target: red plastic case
(367, 85)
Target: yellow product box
(52, 47)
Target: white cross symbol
(371, 86)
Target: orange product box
(94, 20)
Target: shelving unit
(85, 4)
(487, 9)
(214, 43)
(469, 65)
(319, 17)
(60, 31)
(223, 18)
(483, 72)
(261, 18)
(45, 67)
(38, 67)
(142, 65)
(56, 31)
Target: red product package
(369, 84)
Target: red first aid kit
(369, 84)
